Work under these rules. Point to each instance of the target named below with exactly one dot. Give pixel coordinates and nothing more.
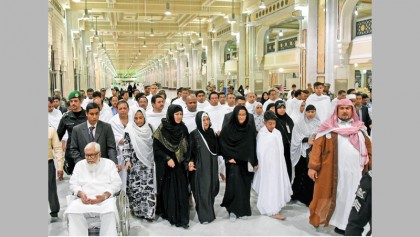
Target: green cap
(74, 94)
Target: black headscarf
(173, 135)
(262, 100)
(238, 141)
(172, 131)
(282, 121)
(208, 134)
(285, 118)
(269, 106)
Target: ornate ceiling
(124, 27)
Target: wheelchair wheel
(123, 212)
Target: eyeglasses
(91, 155)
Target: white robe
(179, 101)
(155, 119)
(269, 101)
(118, 130)
(290, 105)
(105, 115)
(271, 180)
(202, 106)
(250, 107)
(54, 118)
(322, 104)
(216, 114)
(296, 115)
(104, 179)
(349, 175)
(189, 119)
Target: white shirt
(94, 130)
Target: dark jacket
(365, 117)
(103, 135)
(361, 212)
(67, 123)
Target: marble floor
(296, 224)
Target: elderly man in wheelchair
(95, 180)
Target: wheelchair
(123, 226)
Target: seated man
(94, 180)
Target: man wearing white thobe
(94, 181)
(272, 98)
(155, 115)
(189, 113)
(321, 102)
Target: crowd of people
(312, 147)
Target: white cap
(351, 96)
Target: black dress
(170, 141)
(172, 186)
(285, 125)
(238, 142)
(205, 179)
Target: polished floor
(296, 223)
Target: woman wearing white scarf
(297, 112)
(138, 156)
(302, 139)
(258, 116)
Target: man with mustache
(95, 180)
(341, 153)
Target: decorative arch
(346, 19)
(260, 42)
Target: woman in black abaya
(170, 146)
(238, 148)
(203, 167)
(285, 125)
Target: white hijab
(304, 128)
(141, 139)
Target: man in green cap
(76, 115)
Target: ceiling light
(213, 30)
(262, 5)
(232, 20)
(199, 35)
(86, 15)
(167, 12)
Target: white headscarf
(304, 128)
(141, 139)
(258, 119)
(295, 115)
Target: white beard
(92, 167)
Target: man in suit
(93, 130)
(362, 111)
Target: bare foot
(279, 217)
